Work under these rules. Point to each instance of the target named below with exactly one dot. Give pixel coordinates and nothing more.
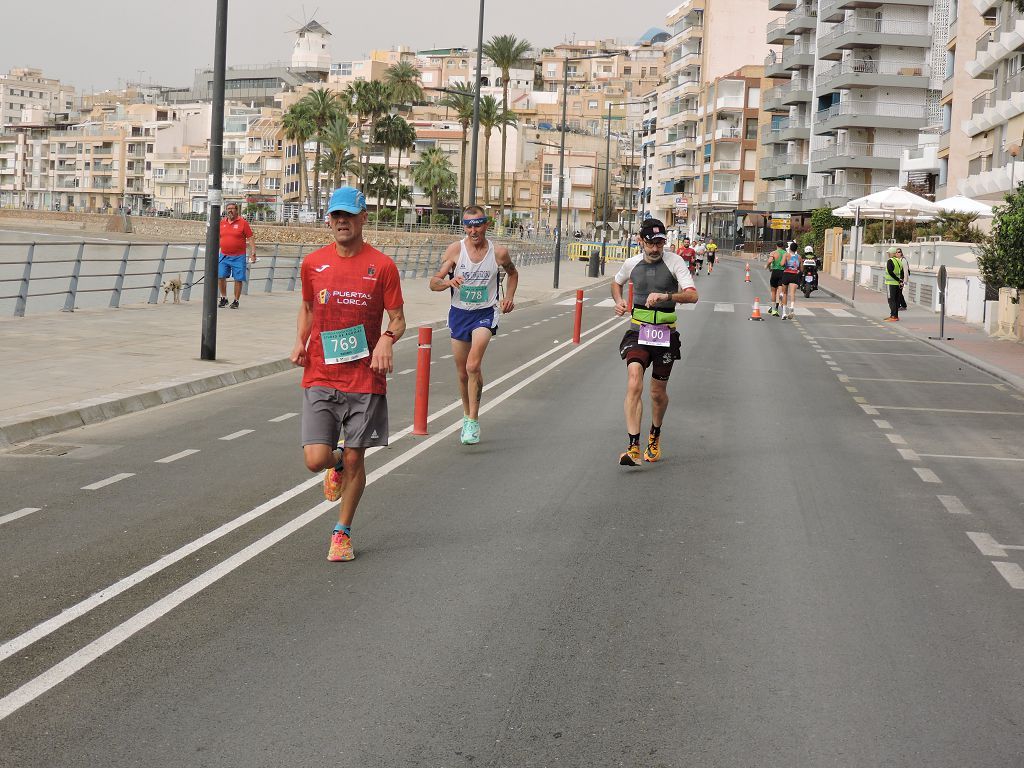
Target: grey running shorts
(327, 414)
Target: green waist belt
(653, 316)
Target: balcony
(682, 143)
(831, 10)
(998, 106)
(772, 101)
(982, 102)
(803, 18)
(726, 165)
(773, 66)
(171, 178)
(864, 114)
(799, 56)
(873, 156)
(776, 33)
(867, 72)
(797, 92)
(835, 195)
(782, 5)
(870, 32)
(781, 131)
(728, 132)
(685, 88)
(784, 165)
(686, 59)
(729, 103)
(783, 201)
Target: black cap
(652, 230)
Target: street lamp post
(592, 269)
(561, 153)
(476, 108)
(208, 349)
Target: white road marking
(176, 456)
(869, 410)
(891, 341)
(1012, 572)
(882, 424)
(953, 505)
(282, 417)
(570, 302)
(838, 312)
(604, 303)
(724, 308)
(514, 330)
(851, 389)
(987, 545)
(68, 615)
(844, 379)
(109, 481)
(407, 370)
(445, 357)
(895, 439)
(834, 368)
(687, 307)
(948, 410)
(927, 475)
(978, 458)
(803, 312)
(20, 513)
(909, 454)
(860, 399)
(61, 671)
(236, 435)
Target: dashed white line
(109, 481)
(1012, 572)
(407, 370)
(724, 308)
(882, 424)
(987, 545)
(909, 454)
(20, 513)
(976, 458)
(927, 475)
(869, 410)
(860, 399)
(176, 456)
(953, 505)
(282, 417)
(895, 439)
(445, 357)
(236, 435)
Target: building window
(548, 172)
(627, 70)
(751, 129)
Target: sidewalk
(64, 370)
(968, 343)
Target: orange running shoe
(653, 452)
(631, 458)
(334, 484)
(341, 548)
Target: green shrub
(1001, 252)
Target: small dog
(175, 286)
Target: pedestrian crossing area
(725, 306)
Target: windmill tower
(310, 50)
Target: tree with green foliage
(298, 127)
(460, 98)
(506, 51)
(368, 100)
(403, 80)
(338, 160)
(822, 220)
(434, 173)
(324, 108)
(404, 138)
(1001, 252)
(492, 116)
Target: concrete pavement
(64, 370)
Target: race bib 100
(655, 335)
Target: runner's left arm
(501, 255)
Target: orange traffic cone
(747, 278)
(756, 313)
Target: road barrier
(746, 278)
(578, 320)
(755, 314)
(587, 249)
(71, 274)
(423, 346)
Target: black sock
(634, 440)
(655, 431)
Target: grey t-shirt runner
(670, 274)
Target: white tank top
(480, 287)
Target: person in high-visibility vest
(894, 283)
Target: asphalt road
(823, 570)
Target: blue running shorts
(464, 321)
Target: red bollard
(579, 317)
(630, 295)
(419, 418)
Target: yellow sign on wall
(781, 221)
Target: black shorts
(790, 278)
(711, 258)
(661, 358)
(776, 278)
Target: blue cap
(347, 199)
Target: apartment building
(863, 80)
(26, 95)
(709, 40)
(996, 124)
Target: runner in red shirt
(689, 255)
(346, 288)
(236, 246)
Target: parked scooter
(809, 272)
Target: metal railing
(859, 149)
(875, 25)
(59, 274)
(869, 66)
(873, 109)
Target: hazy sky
(100, 44)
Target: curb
(46, 426)
(998, 373)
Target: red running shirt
(345, 292)
(233, 235)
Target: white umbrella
(897, 201)
(961, 204)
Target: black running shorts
(660, 358)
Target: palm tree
(403, 194)
(339, 144)
(378, 181)
(324, 108)
(434, 173)
(385, 132)
(506, 51)
(298, 127)
(403, 138)
(403, 80)
(460, 98)
(492, 116)
(369, 100)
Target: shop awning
(251, 158)
(754, 220)
(253, 178)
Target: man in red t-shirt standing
(346, 288)
(237, 244)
